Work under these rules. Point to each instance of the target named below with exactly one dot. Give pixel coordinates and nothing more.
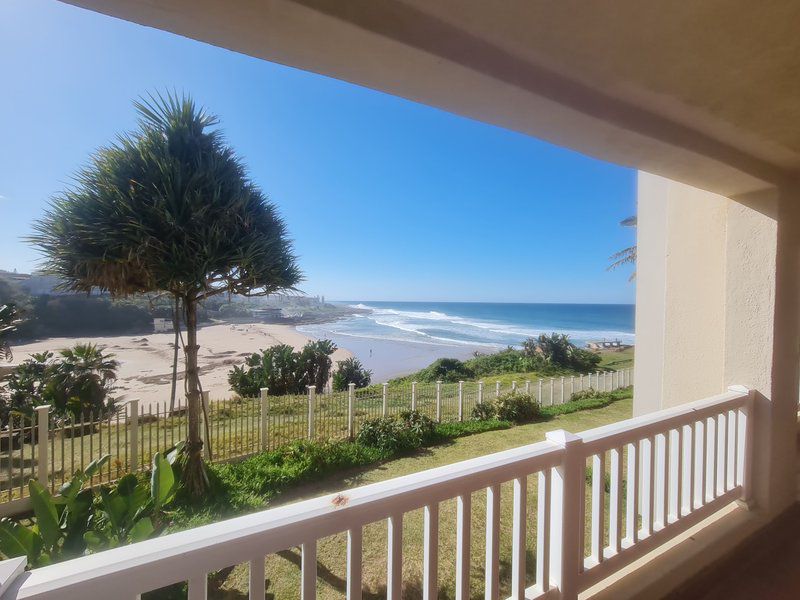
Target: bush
(449, 370)
(421, 425)
(517, 408)
(283, 370)
(76, 381)
(484, 411)
(350, 371)
(388, 435)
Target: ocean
(479, 324)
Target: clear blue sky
(385, 199)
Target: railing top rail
(237, 540)
(615, 434)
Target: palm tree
(626, 256)
(169, 208)
(8, 321)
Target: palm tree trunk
(176, 324)
(194, 476)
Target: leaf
(18, 540)
(162, 481)
(46, 514)
(94, 467)
(142, 530)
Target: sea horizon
(489, 325)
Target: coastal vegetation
(283, 370)
(350, 370)
(546, 355)
(8, 325)
(75, 382)
(169, 209)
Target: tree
(350, 370)
(169, 208)
(8, 325)
(626, 256)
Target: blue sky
(385, 199)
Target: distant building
(162, 325)
(604, 345)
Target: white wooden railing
(667, 471)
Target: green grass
(616, 359)
(283, 568)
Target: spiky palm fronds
(8, 325)
(169, 208)
(626, 256)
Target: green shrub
(448, 370)
(350, 371)
(420, 425)
(284, 370)
(445, 431)
(389, 435)
(484, 411)
(516, 407)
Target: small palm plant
(169, 208)
(8, 325)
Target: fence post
(552, 391)
(580, 382)
(480, 392)
(207, 443)
(460, 400)
(497, 389)
(513, 386)
(413, 395)
(439, 401)
(563, 389)
(351, 393)
(385, 399)
(539, 396)
(312, 392)
(528, 387)
(264, 419)
(43, 437)
(566, 514)
(133, 416)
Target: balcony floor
(766, 566)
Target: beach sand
(146, 360)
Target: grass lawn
(283, 569)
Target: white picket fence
(51, 450)
(667, 471)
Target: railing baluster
(492, 566)
(394, 575)
(463, 545)
(354, 548)
(687, 470)
(675, 479)
(598, 505)
(430, 572)
(543, 531)
(710, 466)
(699, 464)
(614, 501)
(257, 578)
(308, 568)
(730, 456)
(519, 534)
(721, 448)
(198, 587)
(648, 477)
(632, 495)
(660, 486)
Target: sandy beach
(146, 360)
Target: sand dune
(146, 361)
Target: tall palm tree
(169, 208)
(626, 256)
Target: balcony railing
(605, 497)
